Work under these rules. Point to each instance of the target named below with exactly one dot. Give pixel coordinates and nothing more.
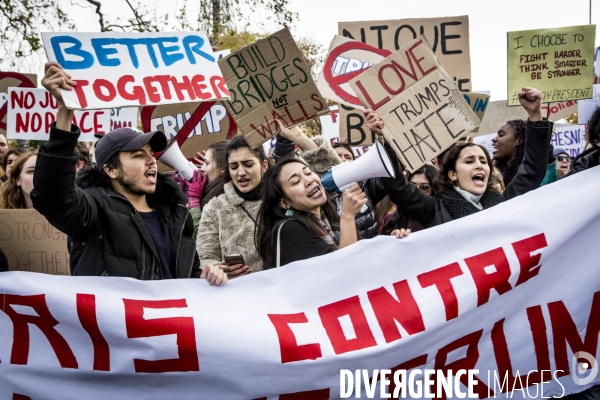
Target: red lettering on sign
(471, 341)
(330, 317)
(564, 330)
(86, 311)
(44, 321)
(497, 263)
(182, 327)
(388, 310)
(80, 84)
(528, 263)
(440, 277)
(137, 94)
(290, 351)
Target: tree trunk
(217, 24)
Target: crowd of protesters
(265, 212)
(244, 212)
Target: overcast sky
(489, 21)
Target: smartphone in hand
(234, 259)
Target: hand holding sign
(374, 121)
(56, 78)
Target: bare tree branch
(100, 14)
(138, 18)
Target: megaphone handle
(364, 208)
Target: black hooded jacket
(107, 235)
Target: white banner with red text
(506, 295)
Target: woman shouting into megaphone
(465, 173)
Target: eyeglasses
(563, 158)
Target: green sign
(559, 62)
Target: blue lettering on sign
(169, 59)
(87, 59)
(103, 52)
(107, 53)
(188, 43)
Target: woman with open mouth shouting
(228, 222)
(465, 174)
(296, 221)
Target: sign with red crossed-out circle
(347, 58)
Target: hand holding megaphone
(354, 201)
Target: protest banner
(195, 126)
(270, 80)
(31, 112)
(346, 59)
(423, 111)
(12, 79)
(330, 129)
(499, 305)
(570, 138)
(32, 244)
(585, 108)
(449, 37)
(136, 69)
(126, 117)
(559, 62)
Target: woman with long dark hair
(229, 220)
(296, 221)
(466, 169)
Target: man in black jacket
(122, 218)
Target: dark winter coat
(431, 211)
(107, 235)
(586, 160)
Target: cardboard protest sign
(423, 111)
(587, 107)
(330, 129)
(449, 37)
(559, 110)
(32, 244)
(478, 103)
(497, 114)
(31, 112)
(12, 79)
(136, 69)
(353, 128)
(570, 138)
(559, 62)
(195, 126)
(270, 80)
(123, 117)
(346, 59)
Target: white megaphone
(174, 158)
(374, 164)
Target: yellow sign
(559, 62)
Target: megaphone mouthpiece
(174, 158)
